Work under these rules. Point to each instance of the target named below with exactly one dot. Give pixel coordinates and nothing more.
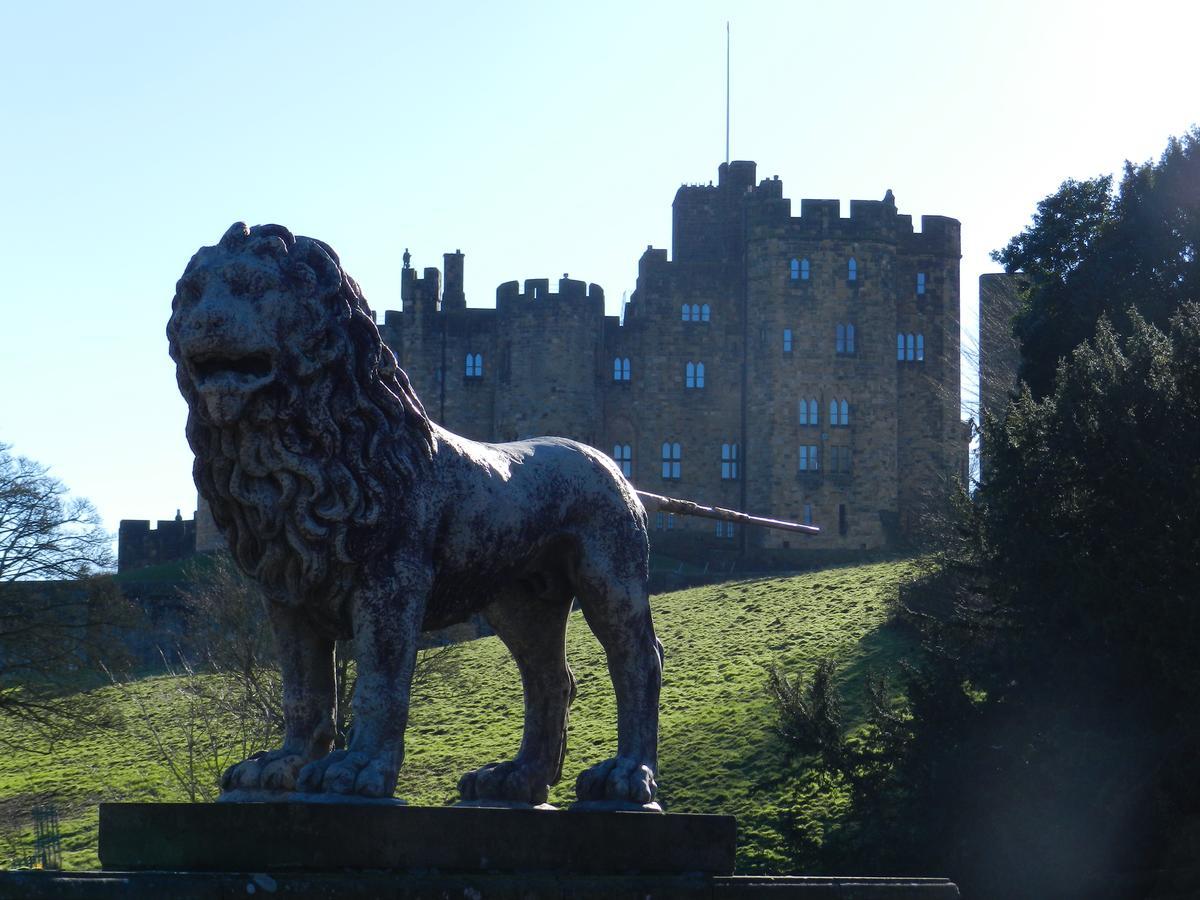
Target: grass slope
(718, 750)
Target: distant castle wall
(139, 545)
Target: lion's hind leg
(532, 624)
(618, 612)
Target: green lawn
(718, 752)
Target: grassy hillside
(718, 752)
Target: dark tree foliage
(1047, 737)
(1093, 252)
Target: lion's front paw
(351, 772)
(514, 782)
(621, 779)
(274, 770)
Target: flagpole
(727, 93)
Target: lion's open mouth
(213, 367)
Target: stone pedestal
(239, 837)
(307, 851)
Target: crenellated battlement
(537, 291)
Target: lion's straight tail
(691, 508)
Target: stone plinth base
(277, 837)
(414, 885)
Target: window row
(910, 348)
(666, 522)
(672, 460)
(809, 459)
(801, 270)
(696, 312)
(839, 412)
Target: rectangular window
(920, 283)
(729, 462)
(659, 520)
(671, 460)
(809, 458)
(900, 347)
(787, 340)
(623, 454)
(920, 348)
(845, 339)
(670, 521)
(808, 519)
(839, 460)
(843, 526)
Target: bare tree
(44, 532)
(59, 616)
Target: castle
(802, 367)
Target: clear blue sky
(539, 138)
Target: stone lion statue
(363, 519)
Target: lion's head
(304, 427)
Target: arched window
(694, 375)
(623, 454)
(920, 348)
(699, 375)
(849, 338)
(833, 416)
(621, 369)
(920, 283)
(625, 369)
(909, 347)
(729, 462)
(695, 312)
(804, 268)
(841, 338)
(705, 313)
(843, 413)
(795, 270)
(808, 412)
(787, 340)
(686, 313)
(899, 346)
(474, 365)
(671, 457)
(852, 270)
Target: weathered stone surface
(414, 885)
(279, 837)
(364, 520)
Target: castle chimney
(452, 289)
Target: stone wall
(139, 545)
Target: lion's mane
(305, 484)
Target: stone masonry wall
(725, 301)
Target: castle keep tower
(803, 367)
